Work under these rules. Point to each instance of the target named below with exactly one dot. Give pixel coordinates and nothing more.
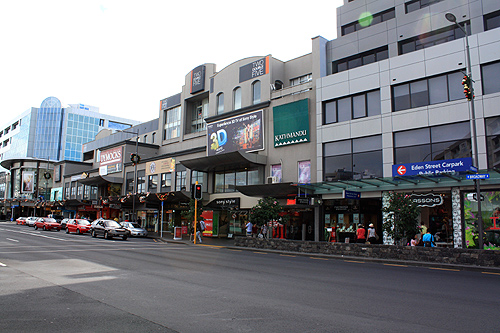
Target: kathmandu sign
(432, 168)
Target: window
(353, 159)
(171, 127)
(493, 142)
(300, 80)
(220, 103)
(153, 137)
(438, 89)
(432, 144)
(66, 190)
(180, 178)
(129, 185)
(141, 181)
(153, 183)
(227, 181)
(256, 92)
(352, 107)
(492, 20)
(361, 59)
(145, 139)
(368, 21)
(200, 177)
(432, 38)
(166, 182)
(490, 73)
(417, 4)
(237, 98)
(195, 121)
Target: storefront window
(490, 209)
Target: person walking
(372, 234)
(360, 234)
(428, 239)
(249, 228)
(198, 232)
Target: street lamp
(135, 170)
(450, 17)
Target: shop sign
(225, 203)
(427, 200)
(291, 123)
(98, 207)
(254, 69)
(110, 161)
(198, 79)
(351, 195)
(302, 201)
(432, 168)
(243, 133)
(160, 166)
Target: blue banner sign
(478, 176)
(352, 195)
(432, 168)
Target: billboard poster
(276, 171)
(304, 172)
(28, 184)
(244, 132)
(208, 218)
(110, 161)
(161, 166)
(291, 123)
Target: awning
(100, 180)
(276, 190)
(229, 161)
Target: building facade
(392, 95)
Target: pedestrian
(249, 229)
(428, 239)
(198, 232)
(263, 230)
(414, 241)
(255, 230)
(423, 229)
(372, 234)
(191, 233)
(360, 234)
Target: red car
(21, 220)
(47, 223)
(79, 226)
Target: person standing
(428, 239)
(198, 232)
(249, 228)
(372, 234)
(360, 234)
(264, 231)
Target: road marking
(287, 255)
(444, 269)
(12, 240)
(492, 273)
(356, 262)
(235, 250)
(395, 265)
(259, 252)
(3, 265)
(315, 258)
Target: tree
(189, 214)
(401, 219)
(267, 209)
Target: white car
(135, 229)
(30, 221)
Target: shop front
(490, 212)
(224, 218)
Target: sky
(125, 56)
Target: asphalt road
(52, 281)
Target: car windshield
(49, 219)
(83, 222)
(112, 224)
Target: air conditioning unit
(272, 180)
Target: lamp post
(450, 17)
(135, 170)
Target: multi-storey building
(37, 138)
(390, 103)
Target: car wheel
(67, 230)
(44, 228)
(125, 237)
(93, 233)
(78, 231)
(106, 236)
(36, 228)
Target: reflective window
(369, 21)
(361, 59)
(490, 74)
(492, 21)
(220, 103)
(237, 98)
(256, 91)
(172, 124)
(352, 107)
(166, 182)
(493, 142)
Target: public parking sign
(432, 167)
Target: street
(53, 281)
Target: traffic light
(197, 192)
(468, 90)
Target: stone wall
(455, 256)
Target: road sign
(432, 167)
(479, 176)
(351, 195)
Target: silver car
(134, 229)
(30, 221)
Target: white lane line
(12, 240)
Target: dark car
(109, 229)
(56, 217)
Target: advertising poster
(276, 172)
(304, 172)
(28, 182)
(243, 132)
(209, 223)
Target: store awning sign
(427, 200)
(432, 168)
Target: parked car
(47, 223)
(58, 218)
(30, 221)
(109, 229)
(63, 223)
(135, 229)
(78, 226)
(21, 220)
